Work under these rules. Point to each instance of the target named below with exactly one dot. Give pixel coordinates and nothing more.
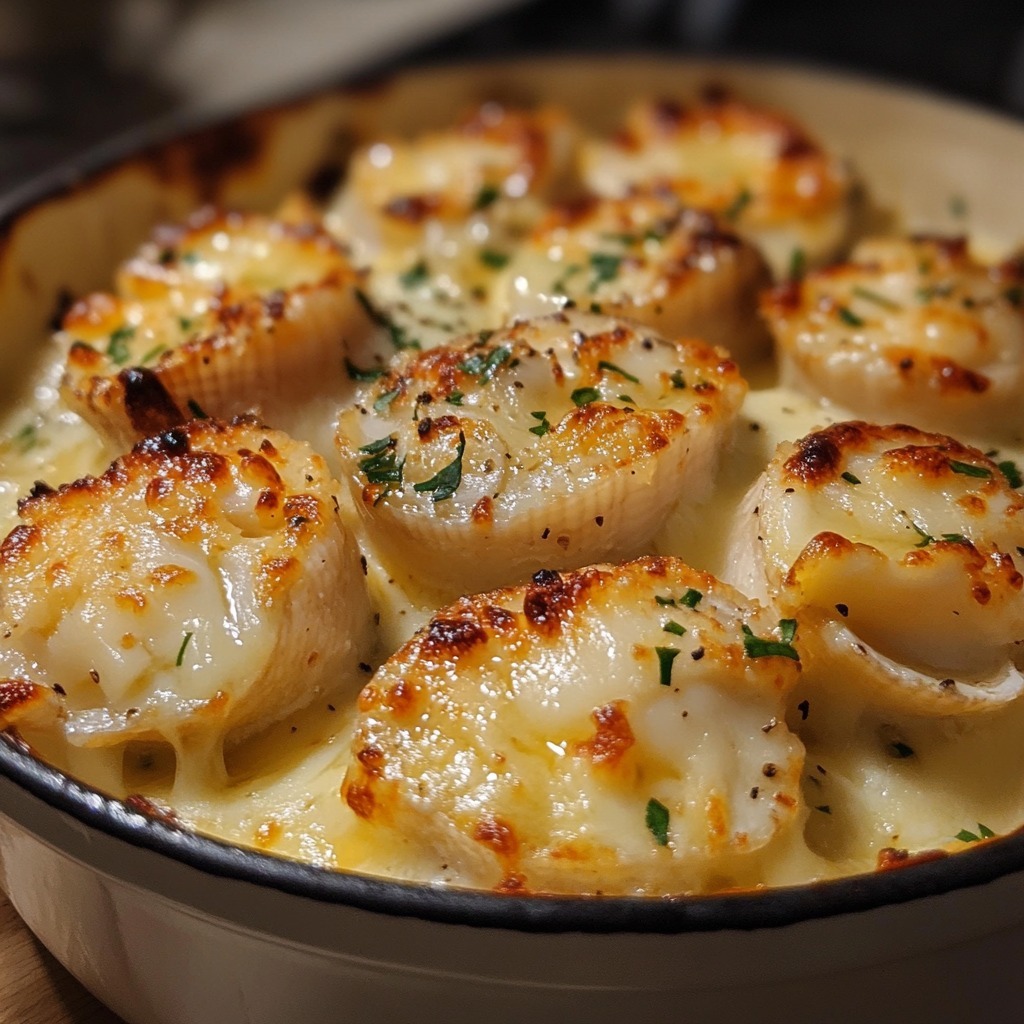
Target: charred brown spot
(17, 694)
(953, 377)
(412, 209)
(951, 248)
(147, 402)
(498, 836)
(360, 798)
(400, 698)
(499, 619)
(667, 115)
(17, 543)
(274, 304)
(817, 458)
(371, 757)
(453, 637)
(483, 511)
(890, 858)
(612, 737)
(550, 597)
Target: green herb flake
(381, 465)
(543, 426)
(191, 258)
(738, 205)
(666, 655)
(1011, 471)
(382, 402)
(455, 398)
(966, 836)
(153, 354)
(27, 438)
(357, 373)
(969, 469)
(181, 650)
(559, 286)
(445, 482)
(957, 206)
(186, 324)
(117, 349)
(674, 628)
(849, 317)
(656, 817)
(487, 195)
(877, 298)
(196, 409)
(605, 267)
(665, 602)
(611, 367)
(483, 367)
(797, 264)
(493, 259)
(416, 275)
(398, 334)
(691, 598)
(762, 647)
(677, 380)
(850, 478)
(584, 396)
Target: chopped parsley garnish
(674, 628)
(153, 353)
(849, 317)
(494, 259)
(185, 323)
(399, 336)
(665, 602)
(900, 749)
(666, 655)
(850, 478)
(543, 426)
(1011, 471)
(935, 291)
(445, 482)
(484, 367)
(969, 469)
(656, 818)
(570, 270)
(27, 438)
(196, 409)
(181, 650)
(605, 365)
(762, 647)
(797, 264)
(927, 538)
(739, 204)
(876, 297)
(455, 398)
(117, 349)
(966, 836)
(416, 275)
(628, 399)
(382, 402)
(487, 195)
(381, 465)
(691, 598)
(357, 373)
(605, 267)
(584, 396)
(677, 380)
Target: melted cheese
(878, 772)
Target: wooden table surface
(34, 988)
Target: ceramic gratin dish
(167, 926)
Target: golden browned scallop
(611, 730)
(200, 589)
(226, 314)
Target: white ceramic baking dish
(165, 926)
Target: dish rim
(774, 907)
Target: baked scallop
(552, 443)
(758, 168)
(229, 313)
(897, 550)
(201, 589)
(614, 730)
(681, 271)
(912, 329)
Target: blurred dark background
(75, 72)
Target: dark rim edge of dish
(766, 908)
